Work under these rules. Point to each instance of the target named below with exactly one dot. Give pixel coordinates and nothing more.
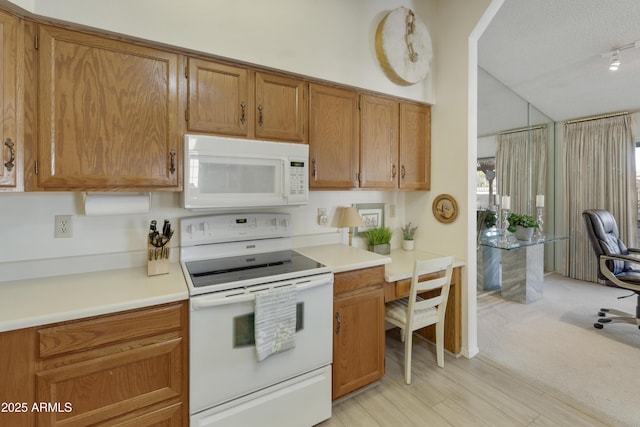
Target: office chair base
(621, 317)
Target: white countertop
(34, 302)
(342, 257)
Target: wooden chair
(414, 312)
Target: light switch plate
(323, 219)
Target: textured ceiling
(550, 53)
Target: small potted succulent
(522, 225)
(379, 239)
(408, 231)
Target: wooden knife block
(158, 259)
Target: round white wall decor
(403, 47)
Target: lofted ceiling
(554, 55)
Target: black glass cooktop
(227, 270)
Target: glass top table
(497, 240)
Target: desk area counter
(35, 302)
(401, 266)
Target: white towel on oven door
(275, 321)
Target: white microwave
(227, 173)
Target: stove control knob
(284, 223)
(189, 229)
(204, 227)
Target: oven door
(223, 358)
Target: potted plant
(522, 225)
(379, 239)
(407, 236)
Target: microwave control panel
(297, 179)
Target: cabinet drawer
(99, 389)
(357, 279)
(96, 332)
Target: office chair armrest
(611, 277)
(634, 250)
(619, 257)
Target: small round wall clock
(445, 208)
(403, 47)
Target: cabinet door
(108, 114)
(379, 142)
(415, 146)
(218, 98)
(358, 339)
(280, 108)
(334, 129)
(17, 370)
(9, 139)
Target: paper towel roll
(116, 203)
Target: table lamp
(350, 218)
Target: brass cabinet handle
(243, 107)
(339, 323)
(172, 166)
(393, 171)
(402, 172)
(12, 155)
(260, 108)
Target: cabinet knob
(402, 171)
(313, 169)
(393, 171)
(12, 154)
(339, 320)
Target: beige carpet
(553, 341)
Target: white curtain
(521, 167)
(600, 173)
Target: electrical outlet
(63, 226)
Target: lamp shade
(350, 217)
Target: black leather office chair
(615, 263)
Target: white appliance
(224, 173)
(226, 259)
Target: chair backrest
(432, 281)
(602, 230)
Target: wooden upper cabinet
(219, 99)
(334, 132)
(108, 114)
(415, 146)
(11, 142)
(379, 142)
(236, 101)
(280, 108)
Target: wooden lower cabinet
(125, 369)
(358, 325)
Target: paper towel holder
(106, 203)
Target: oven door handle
(202, 302)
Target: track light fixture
(614, 54)
(615, 61)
